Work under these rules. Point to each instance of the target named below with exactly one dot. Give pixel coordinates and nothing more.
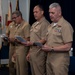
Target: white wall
(24, 7)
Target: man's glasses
(15, 17)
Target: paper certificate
(20, 39)
(38, 44)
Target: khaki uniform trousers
(57, 63)
(38, 62)
(21, 62)
(11, 64)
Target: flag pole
(17, 5)
(9, 18)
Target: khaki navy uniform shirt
(38, 30)
(23, 30)
(11, 30)
(60, 33)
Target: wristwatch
(52, 49)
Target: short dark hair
(40, 6)
(18, 13)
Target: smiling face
(55, 14)
(38, 13)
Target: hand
(24, 43)
(11, 39)
(46, 48)
(28, 43)
(14, 58)
(28, 56)
(5, 39)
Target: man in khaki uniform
(23, 30)
(10, 33)
(58, 42)
(37, 34)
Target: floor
(4, 70)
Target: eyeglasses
(15, 17)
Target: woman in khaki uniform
(37, 34)
(58, 42)
(23, 30)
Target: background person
(23, 30)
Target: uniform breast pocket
(37, 29)
(57, 34)
(20, 32)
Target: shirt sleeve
(67, 33)
(44, 28)
(27, 31)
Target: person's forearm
(65, 47)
